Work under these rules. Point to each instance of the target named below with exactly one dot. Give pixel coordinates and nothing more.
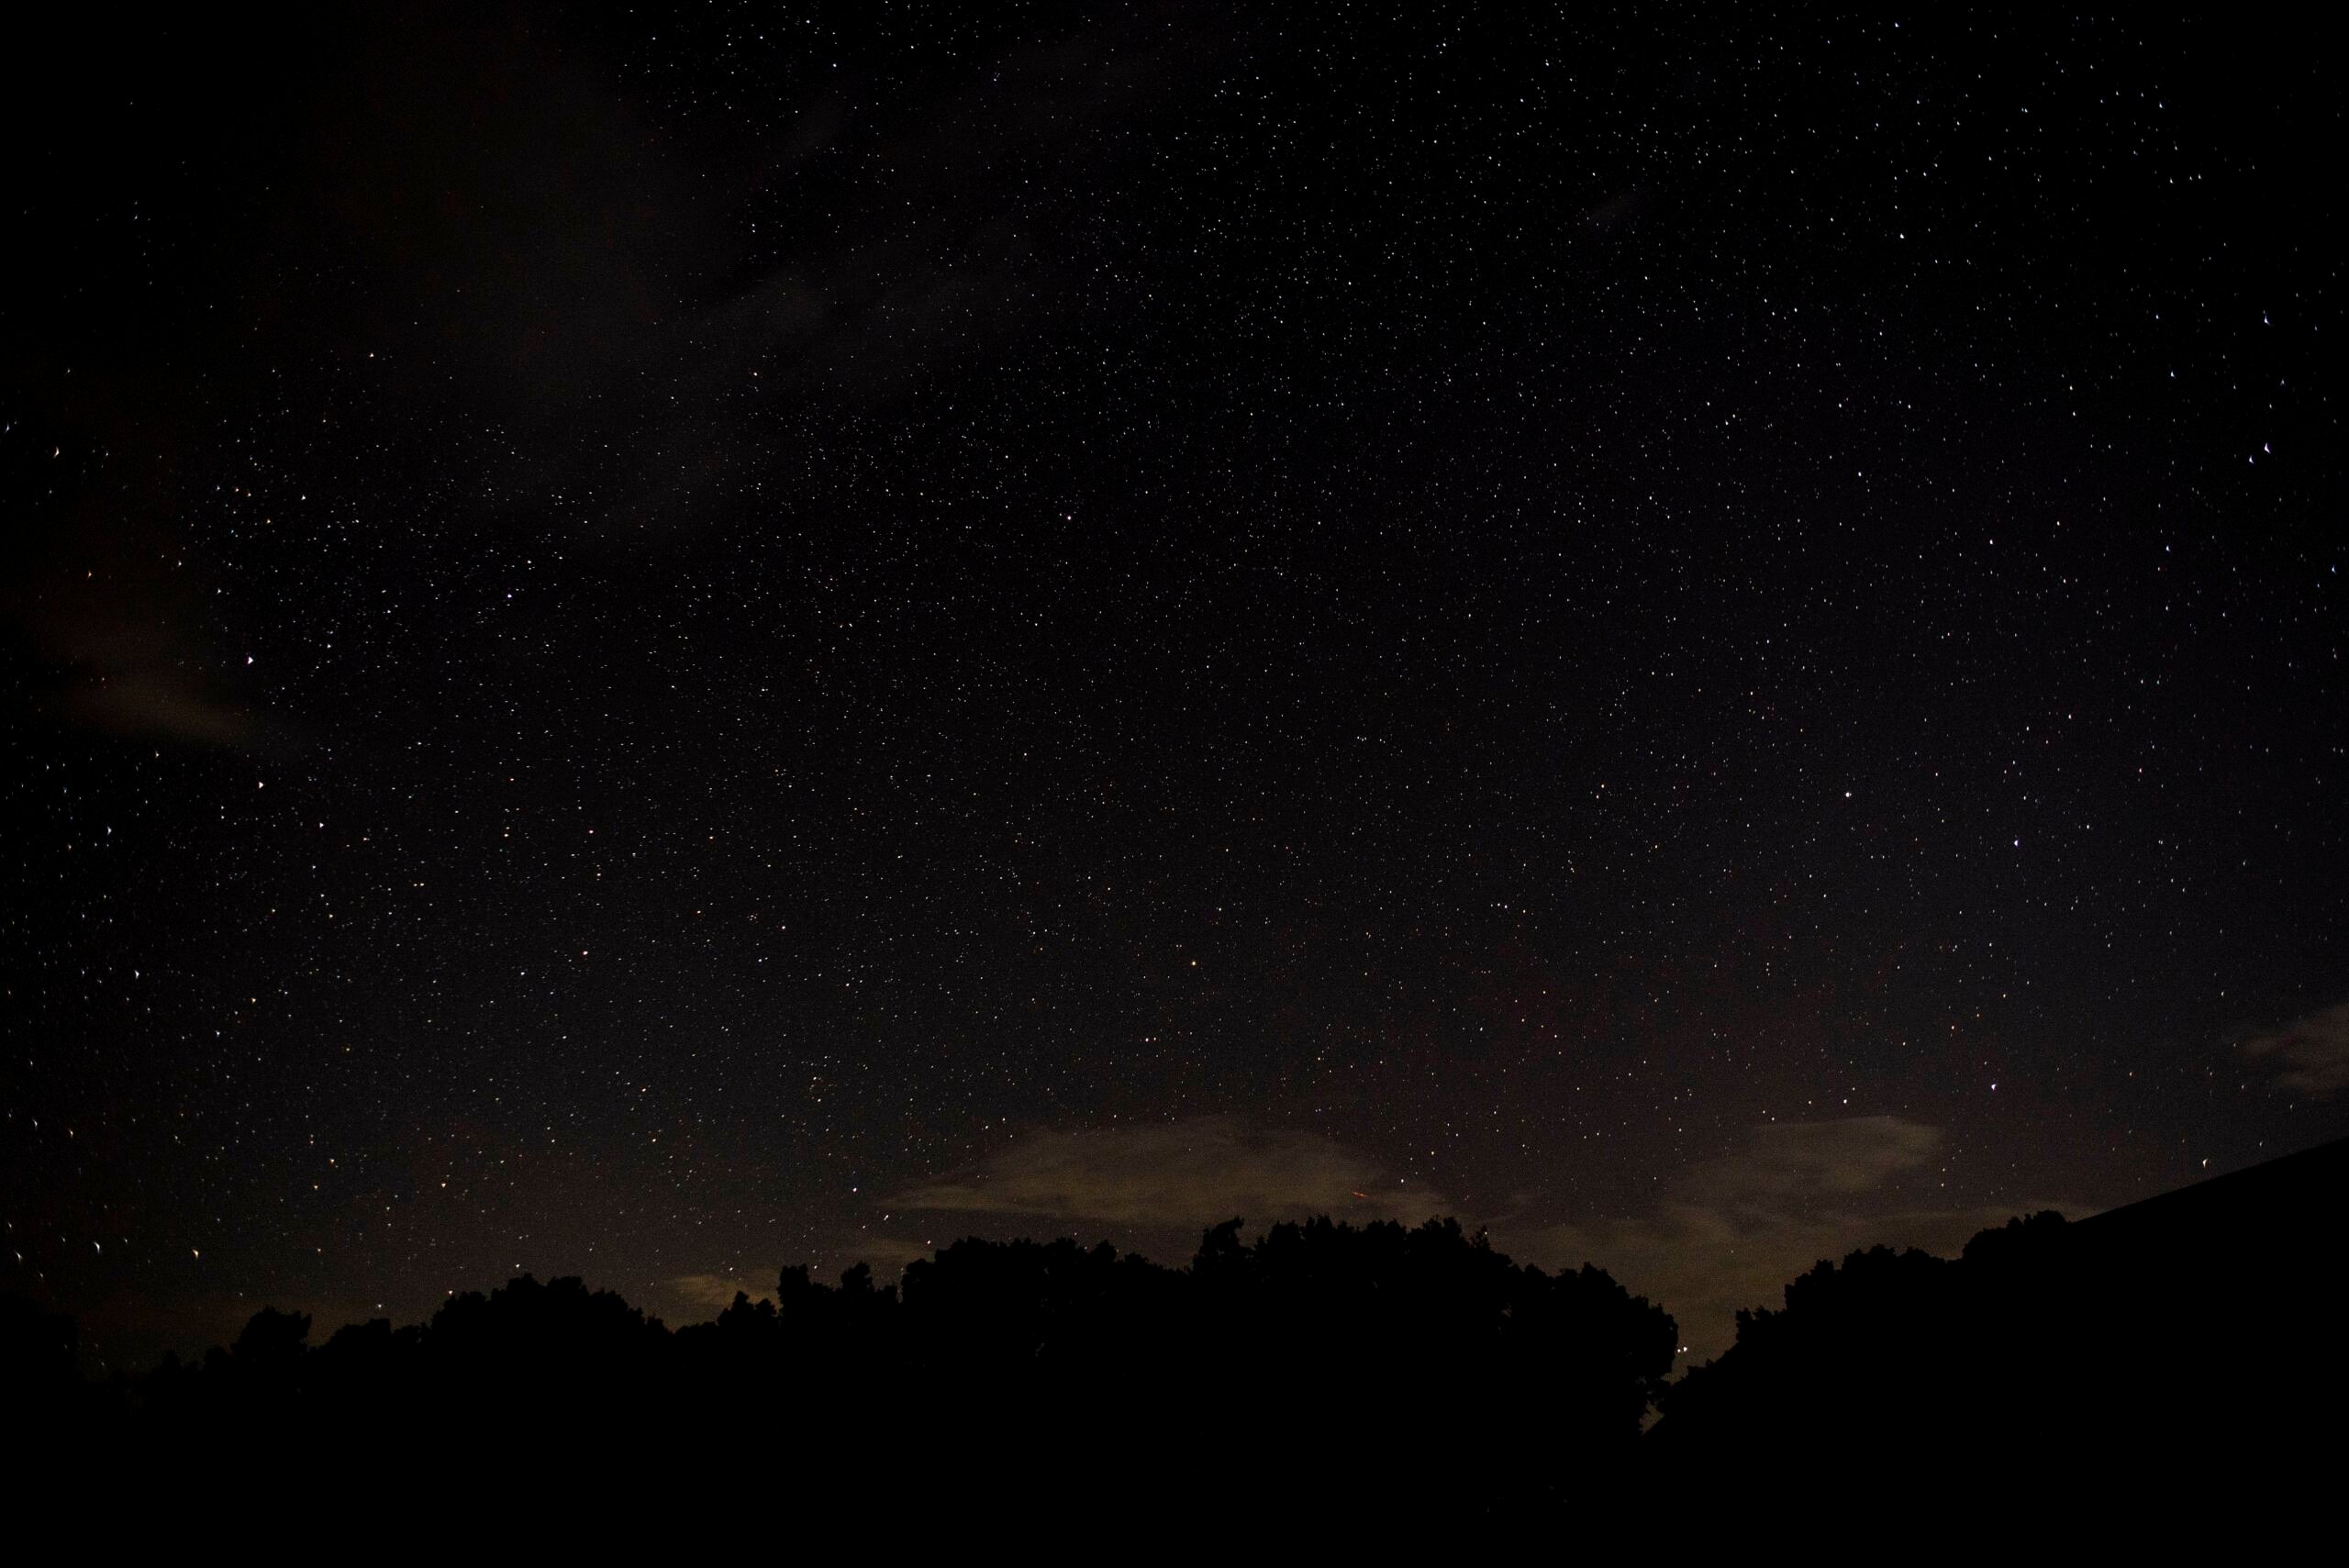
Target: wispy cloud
(1810, 1159)
(126, 643)
(709, 1294)
(1729, 1234)
(1734, 1230)
(2314, 1051)
(1193, 1173)
(157, 702)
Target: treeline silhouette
(1317, 1360)
(2193, 1335)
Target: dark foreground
(1373, 1386)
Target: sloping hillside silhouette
(2196, 1331)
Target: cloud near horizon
(1808, 1160)
(1729, 1234)
(1191, 1173)
(714, 1294)
(2314, 1051)
(1736, 1229)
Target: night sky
(655, 644)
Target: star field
(643, 643)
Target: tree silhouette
(1359, 1387)
(1305, 1364)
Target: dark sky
(657, 645)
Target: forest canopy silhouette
(1316, 1359)
(1318, 1351)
